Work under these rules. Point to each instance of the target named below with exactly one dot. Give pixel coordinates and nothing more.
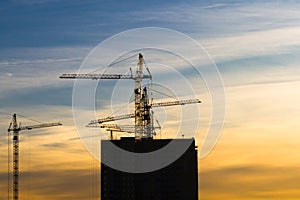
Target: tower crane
(15, 128)
(143, 114)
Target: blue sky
(60, 23)
(48, 37)
(33, 23)
(256, 46)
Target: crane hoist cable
(113, 63)
(164, 94)
(29, 118)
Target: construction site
(175, 180)
(140, 100)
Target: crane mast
(15, 128)
(15, 158)
(142, 125)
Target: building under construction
(177, 181)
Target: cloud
(37, 67)
(57, 184)
(235, 30)
(249, 182)
(34, 2)
(266, 42)
(32, 69)
(208, 20)
(8, 74)
(45, 61)
(60, 96)
(214, 6)
(56, 145)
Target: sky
(254, 44)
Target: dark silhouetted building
(177, 181)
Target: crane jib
(100, 76)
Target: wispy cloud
(250, 182)
(266, 42)
(35, 2)
(215, 20)
(57, 184)
(30, 68)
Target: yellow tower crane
(143, 114)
